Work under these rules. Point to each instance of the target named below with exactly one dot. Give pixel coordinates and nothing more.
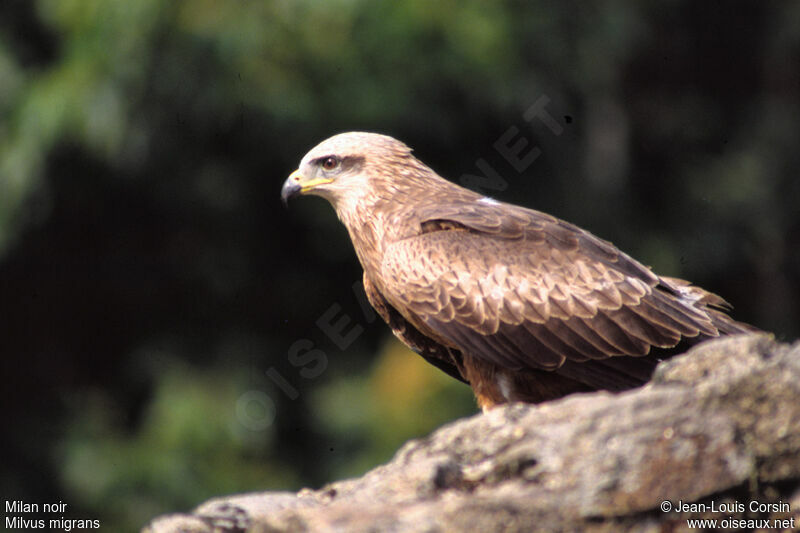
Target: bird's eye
(330, 163)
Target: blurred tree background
(157, 302)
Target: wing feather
(614, 334)
(580, 328)
(521, 289)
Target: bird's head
(345, 165)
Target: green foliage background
(149, 277)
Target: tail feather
(728, 326)
(713, 305)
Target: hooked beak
(296, 184)
(291, 187)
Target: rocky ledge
(714, 435)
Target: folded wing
(524, 290)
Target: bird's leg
(485, 380)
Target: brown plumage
(517, 303)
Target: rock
(719, 425)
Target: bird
(518, 304)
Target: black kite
(517, 303)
